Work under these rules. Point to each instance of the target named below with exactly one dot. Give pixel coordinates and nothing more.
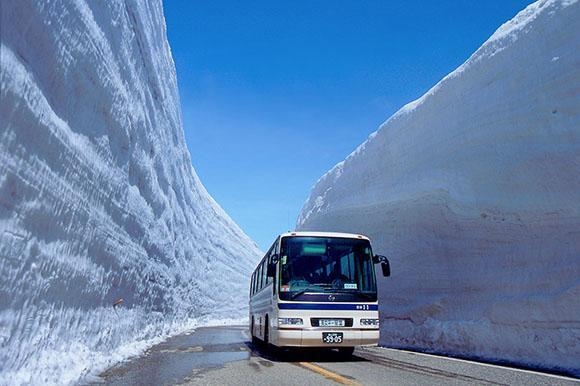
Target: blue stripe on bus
(328, 306)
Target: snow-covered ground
(98, 198)
(473, 190)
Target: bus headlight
(369, 322)
(290, 321)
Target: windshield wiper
(354, 292)
(299, 293)
(327, 287)
(369, 297)
(323, 286)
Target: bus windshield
(310, 265)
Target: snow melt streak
(474, 192)
(98, 199)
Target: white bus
(317, 289)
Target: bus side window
(258, 278)
(252, 285)
(255, 281)
(270, 261)
(268, 279)
(264, 272)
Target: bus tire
(345, 352)
(254, 339)
(266, 333)
(269, 347)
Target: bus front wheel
(345, 352)
(267, 345)
(254, 339)
(266, 333)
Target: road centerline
(328, 374)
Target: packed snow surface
(473, 191)
(98, 198)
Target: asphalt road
(225, 356)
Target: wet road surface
(225, 356)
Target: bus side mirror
(385, 266)
(271, 271)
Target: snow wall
(98, 198)
(473, 191)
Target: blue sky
(273, 94)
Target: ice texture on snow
(98, 198)
(473, 191)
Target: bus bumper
(313, 338)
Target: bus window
(255, 282)
(252, 285)
(347, 265)
(264, 272)
(268, 279)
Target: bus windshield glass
(310, 265)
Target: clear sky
(275, 93)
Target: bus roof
(325, 234)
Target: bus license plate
(331, 323)
(332, 337)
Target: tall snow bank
(473, 191)
(98, 198)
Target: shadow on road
(275, 354)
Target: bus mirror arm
(385, 266)
(379, 259)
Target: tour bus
(316, 289)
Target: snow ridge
(98, 198)
(473, 191)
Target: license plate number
(331, 323)
(332, 337)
